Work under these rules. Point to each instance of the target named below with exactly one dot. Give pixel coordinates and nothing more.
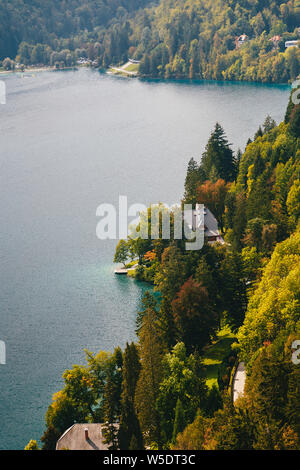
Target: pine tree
(259, 133)
(129, 427)
(149, 303)
(180, 422)
(293, 403)
(294, 126)
(129, 424)
(238, 158)
(219, 155)
(239, 220)
(195, 176)
(150, 348)
(110, 414)
(269, 124)
(233, 289)
(170, 276)
(267, 387)
(184, 379)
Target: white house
(241, 40)
(291, 43)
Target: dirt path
(239, 381)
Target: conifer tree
(129, 427)
(218, 155)
(170, 276)
(267, 387)
(151, 352)
(110, 430)
(259, 133)
(294, 126)
(179, 423)
(195, 176)
(149, 303)
(129, 424)
(269, 124)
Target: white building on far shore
(294, 43)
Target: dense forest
(48, 23)
(200, 39)
(243, 294)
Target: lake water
(69, 142)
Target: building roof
(194, 220)
(293, 43)
(74, 438)
(275, 38)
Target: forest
(239, 300)
(199, 39)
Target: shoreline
(37, 70)
(119, 72)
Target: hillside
(217, 39)
(47, 21)
(200, 39)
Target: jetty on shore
(121, 272)
(124, 271)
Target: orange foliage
(150, 256)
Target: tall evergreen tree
(195, 176)
(112, 399)
(218, 154)
(180, 422)
(150, 348)
(269, 124)
(183, 379)
(129, 424)
(259, 133)
(149, 304)
(170, 276)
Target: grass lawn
(117, 72)
(215, 353)
(132, 68)
(132, 263)
(123, 70)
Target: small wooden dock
(124, 271)
(121, 272)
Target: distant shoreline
(36, 69)
(125, 74)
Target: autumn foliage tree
(194, 316)
(213, 195)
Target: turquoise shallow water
(70, 141)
